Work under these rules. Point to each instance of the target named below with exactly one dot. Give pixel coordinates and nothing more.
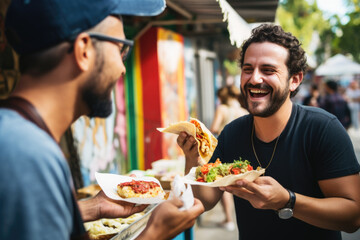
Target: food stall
(185, 85)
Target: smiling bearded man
(312, 185)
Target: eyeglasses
(125, 49)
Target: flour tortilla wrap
(190, 129)
(225, 181)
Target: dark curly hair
(275, 34)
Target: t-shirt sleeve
(334, 154)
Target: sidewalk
(207, 227)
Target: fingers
(186, 142)
(193, 213)
(198, 207)
(251, 186)
(177, 202)
(181, 139)
(139, 208)
(264, 193)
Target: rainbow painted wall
(155, 97)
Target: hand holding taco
(206, 141)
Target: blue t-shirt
(35, 182)
(313, 146)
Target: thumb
(177, 202)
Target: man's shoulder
(311, 113)
(238, 128)
(23, 139)
(14, 127)
(33, 173)
(241, 121)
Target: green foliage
(303, 20)
(349, 41)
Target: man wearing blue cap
(71, 52)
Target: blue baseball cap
(35, 25)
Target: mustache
(260, 86)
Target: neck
(269, 128)
(55, 100)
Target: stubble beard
(100, 104)
(277, 99)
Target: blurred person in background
(352, 94)
(228, 110)
(72, 53)
(334, 103)
(313, 98)
(311, 186)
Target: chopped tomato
(235, 171)
(195, 123)
(249, 168)
(200, 179)
(205, 169)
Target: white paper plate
(225, 181)
(108, 183)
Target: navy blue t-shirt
(313, 146)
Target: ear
(83, 51)
(295, 81)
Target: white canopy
(238, 28)
(338, 65)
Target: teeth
(258, 91)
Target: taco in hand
(206, 141)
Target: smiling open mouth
(257, 93)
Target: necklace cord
(253, 147)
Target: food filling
(140, 189)
(200, 135)
(139, 186)
(213, 171)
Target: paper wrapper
(225, 181)
(108, 183)
(183, 192)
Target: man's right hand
(167, 220)
(208, 196)
(190, 148)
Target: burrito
(205, 139)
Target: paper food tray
(108, 183)
(225, 181)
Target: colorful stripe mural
(155, 89)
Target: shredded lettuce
(241, 164)
(211, 175)
(222, 170)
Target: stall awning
(206, 17)
(338, 65)
(238, 28)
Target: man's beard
(277, 99)
(100, 104)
